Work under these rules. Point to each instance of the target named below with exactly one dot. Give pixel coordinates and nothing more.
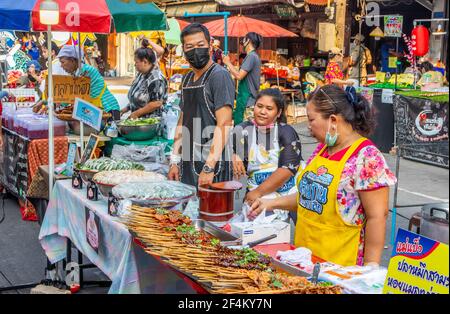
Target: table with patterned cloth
(24, 155)
(130, 269)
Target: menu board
(66, 88)
(90, 148)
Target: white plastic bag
(140, 153)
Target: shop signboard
(285, 11)
(87, 113)
(418, 265)
(393, 26)
(67, 88)
(93, 234)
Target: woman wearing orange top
(343, 192)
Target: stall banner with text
(418, 265)
(66, 88)
(393, 26)
(93, 234)
(87, 113)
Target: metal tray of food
(211, 229)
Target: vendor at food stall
(267, 150)
(101, 97)
(148, 92)
(248, 75)
(343, 192)
(200, 155)
(333, 73)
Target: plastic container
(38, 128)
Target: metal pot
(139, 133)
(434, 222)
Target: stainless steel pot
(74, 127)
(139, 133)
(434, 222)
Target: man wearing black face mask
(200, 154)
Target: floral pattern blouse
(365, 170)
(333, 72)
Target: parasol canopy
(84, 16)
(239, 26)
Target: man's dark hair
(195, 28)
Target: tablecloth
(130, 269)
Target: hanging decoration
(421, 37)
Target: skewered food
(170, 235)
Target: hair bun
(145, 43)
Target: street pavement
(22, 259)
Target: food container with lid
(434, 222)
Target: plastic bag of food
(138, 153)
(166, 193)
(108, 164)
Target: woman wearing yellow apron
(343, 192)
(267, 150)
(101, 97)
(248, 75)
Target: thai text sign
(393, 26)
(67, 88)
(418, 265)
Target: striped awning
(178, 10)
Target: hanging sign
(387, 96)
(418, 265)
(66, 88)
(393, 26)
(87, 113)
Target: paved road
(22, 259)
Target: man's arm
(237, 73)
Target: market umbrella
(239, 26)
(99, 16)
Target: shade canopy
(85, 16)
(239, 26)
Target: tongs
(237, 244)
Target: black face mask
(198, 57)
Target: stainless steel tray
(211, 229)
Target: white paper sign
(387, 96)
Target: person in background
(333, 73)
(360, 57)
(248, 75)
(149, 91)
(56, 65)
(200, 154)
(3, 94)
(33, 78)
(70, 57)
(267, 150)
(387, 49)
(343, 193)
(217, 55)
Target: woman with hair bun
(148, 92)
(343, 192)
(248, 75)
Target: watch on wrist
(207, 169)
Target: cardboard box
(249, 233)
(295, 111)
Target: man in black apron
(201, 153)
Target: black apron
(198, 112)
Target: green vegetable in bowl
(140, 121)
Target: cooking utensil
(216, 204)
(435, 221)
(139, 133)
(315, 274)
(211, 229)
(237, 244)
(74, 127)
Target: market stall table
(130, 269)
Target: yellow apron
(319, 224)
(97, 101)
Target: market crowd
(338, 196)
